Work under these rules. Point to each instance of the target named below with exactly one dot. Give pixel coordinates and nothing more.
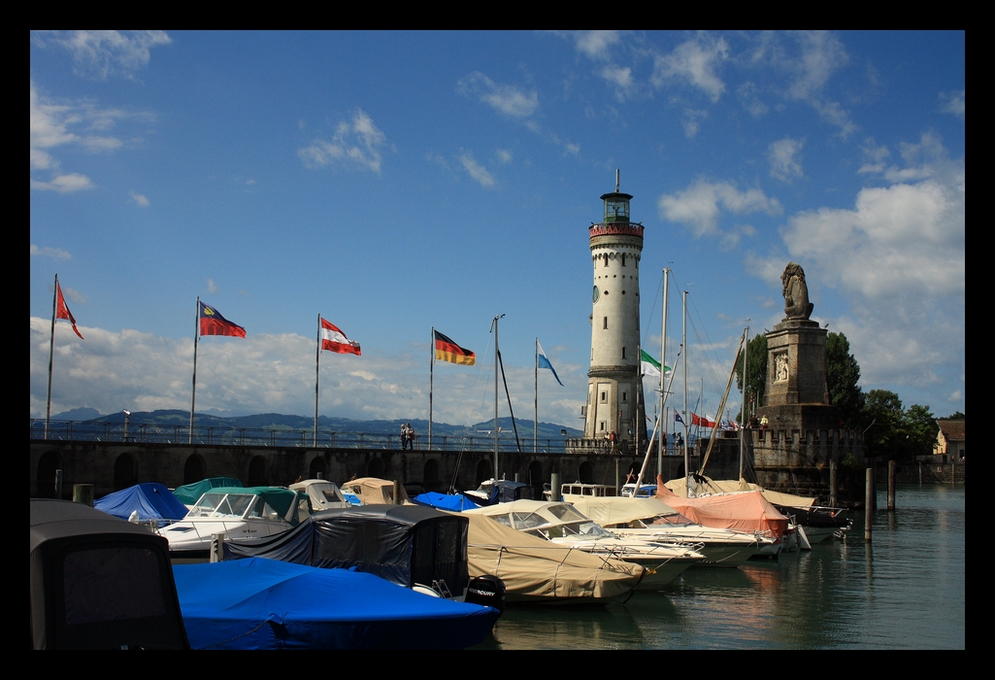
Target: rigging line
(649, 321)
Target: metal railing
(146, 433)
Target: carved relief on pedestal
(780, 367)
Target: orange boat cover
(742, 511)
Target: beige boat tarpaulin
(536, 570)
(714, 486)
(616, 510)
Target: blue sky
(399, 181)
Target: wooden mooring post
(868, 503)
(891, 485)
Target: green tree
(842, 376)
(756, 371)
(956, 415)
(883, 412)
(920, 428)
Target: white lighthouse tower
(615, 389)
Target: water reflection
(902, 590)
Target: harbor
(902, 590)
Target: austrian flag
(335, 340)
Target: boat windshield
(230, 505)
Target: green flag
(650, 366)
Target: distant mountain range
(276, 421)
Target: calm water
(903, 590)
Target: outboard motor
(487, 590)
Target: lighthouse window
(623, 352)
(605, 323)
(623, 260)
(624, 394)
(604, 397)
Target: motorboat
(323, 494)
(414, 546)
(188, 494)
(493, 491)
(745, 511)
(537, 571)
(258, 603)
(373, 491)
(563, 525)
(652, 518)
(150, 504)
(810, 522)
(575, 490)
(645, 490)
(240, 514)
(99, 582)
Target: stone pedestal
(796, 364)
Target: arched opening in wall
(194, 469)
(257, 472)
(125, 471)
(535, 478)
(318, 469)
(483, 472)
(375, 468)
(49, 463)
(430, 476)
(586, 473)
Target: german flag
(447, 350)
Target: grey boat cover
(99, 582)
(406, 544)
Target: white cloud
(783, 158)
(211, 286)
(596, 44)
(56, 253)
(695, 61)
(475, 169)
(100, 54)
(139, 199)
(144, 372)
(507, 99)
(504, 156)
(898, 257)
(701, 205)
(54, 125)
(953, 102)
(64, 183)
(355, 142)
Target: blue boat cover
(151, 500)
(257, 603)
(454, 502)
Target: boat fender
(487, 590)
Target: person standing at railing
(411, 437)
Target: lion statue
(795, 290)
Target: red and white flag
(335, 340)
(62, 309)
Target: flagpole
(317, 359)
(535, 427)
(193, 399)
(431, 382)
(51, 354)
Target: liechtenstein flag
(212, 323)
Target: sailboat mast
(742, 410)
(496, 360)
(663, 372)
(684, 346)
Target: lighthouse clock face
(596, 294)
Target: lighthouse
(614, 388)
